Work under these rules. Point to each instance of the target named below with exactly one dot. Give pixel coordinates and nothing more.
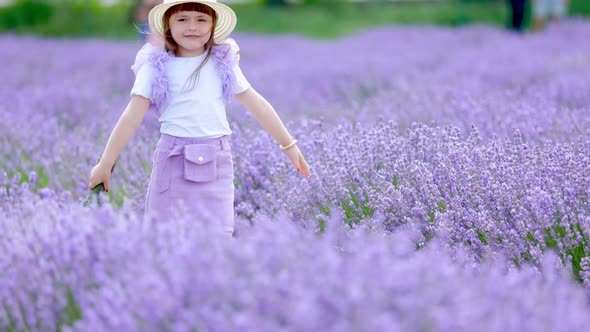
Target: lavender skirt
(195, 176)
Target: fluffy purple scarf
(222, 55)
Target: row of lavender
(475, 76)
(501, 193)
(66, 268)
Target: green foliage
(11, 319)
(67, 18)
(25, 13)
(314, 18)
(273, 3)
(557, 234)
(482, 237)
(395, 182)
(72, 311)
(94, 196)
(356, 209)
(43, 178)
(580, 7)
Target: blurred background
(122, 19)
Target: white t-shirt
(196, 112)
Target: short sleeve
(234, 48)
(144, 81)
(241, 83)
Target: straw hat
(226, 18)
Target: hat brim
(226, 18)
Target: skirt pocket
(200, 162)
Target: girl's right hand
(100, 173)
(299, 163)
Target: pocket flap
(200, 153)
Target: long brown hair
(171, 44)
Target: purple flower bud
(33, 178)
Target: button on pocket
(200, 162)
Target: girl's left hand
(297, 160)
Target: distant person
(546, 11)
(517, 14)
(141, 17)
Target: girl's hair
(171, 44)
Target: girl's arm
(266, 116)
(124, 129)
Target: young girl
(189, 84)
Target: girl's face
(191, 30)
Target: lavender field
(449, 192)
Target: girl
(189, 83)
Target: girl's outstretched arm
(266, 116)
(124, 129)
